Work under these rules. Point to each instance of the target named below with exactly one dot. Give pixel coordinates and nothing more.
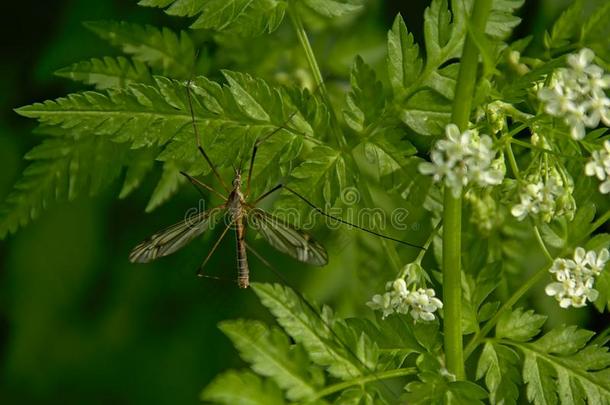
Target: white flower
(577, 94)
(419, 303)
(599, 166)
(574, 278)
(463, 158)
(547, 199)
(597, 262)
(382, 303)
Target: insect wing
(172, 238)
(288, 239)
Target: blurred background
(78, 322)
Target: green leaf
(358, 396)
(166, 52)
(242, 388)
(404, 62)
(434, 387)
(141, 162)
(582, 22)
(365, 101)
(561, 367)
(168, 185)
(107, 72)
(427, 112)
(499, 365)
(389, 151)
(444, 32)
(243, 17)
(519, 325)
(307, 328)
(502, 20)
(322, 177)
(62, 169)
(332, 8)
(271, 355)
(140, 114)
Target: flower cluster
(545, 198)
(464, 158)
(599, 166)
(575, 277)
(420, 303)
(577, 94)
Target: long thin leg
(251, 168)
(315, 311)
(268, 193)
(197, 137)
(312, 205)
(257, 144)
(200, 271)
(197, 182)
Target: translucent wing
(172, 238)
(287, 239)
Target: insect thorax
(235, 204)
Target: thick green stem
(452, 210)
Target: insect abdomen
(243, 271)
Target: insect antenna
(319, 210)
(313, 309)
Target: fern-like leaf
(242, 388)
(306, 328)
(270, 354)
(166, 52)
(244, 17)
(107, 72)
(247, 17)
(62, 169)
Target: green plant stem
(599, 222)
(480, 335)
(382, 375)
(452, 206)
(546, 252)
(313, 65)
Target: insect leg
(198, 138)
(200, 271)
(319, 210)
(199, 183)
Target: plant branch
(383, 375)
(297, 23)
(480, 335)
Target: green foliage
(323, 142)
(561, 366)
(166, 52)
(242, 388)
(354, 351)
(107, 72)
(247, 18)
(581, 25)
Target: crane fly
(283, 236)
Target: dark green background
(78, 322)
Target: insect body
(282, 236)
